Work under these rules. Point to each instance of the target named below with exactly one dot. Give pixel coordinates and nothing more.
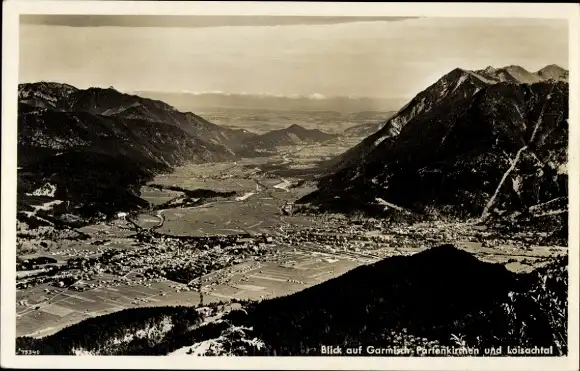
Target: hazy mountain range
(315, 102)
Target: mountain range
(189, 101)
(116, 105)
(489, 144)
(474, 143)
(96, 146)
(519, 74)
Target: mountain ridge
(291, 135)
(94, 147)
(110, 102)
(471, 82)
(458, 126)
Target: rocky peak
(553, 72)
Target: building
(288, 208)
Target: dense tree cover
(542, 310)
(183, 274)
(118, 333)
(33, 263)
(194, 193)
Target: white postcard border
(12, 10)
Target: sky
(373, 57)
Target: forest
(134, 331)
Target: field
(264, 121)
(293, 271)
(157, 196)
(67, 307)
(258, 213)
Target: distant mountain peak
(518, 74)
(552, 67)
(460, 82)
(514, 67)
(295, 126)
(109, 89)
(293, 134)
(53, 84)
(553, 72)
(455, 73)
(495, 69)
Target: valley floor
(229, 247)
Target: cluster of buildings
(80, 252)
(161, 258)
(177, 260)
(371, 234)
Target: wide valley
(244, 242)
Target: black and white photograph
(315, 186)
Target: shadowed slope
(404, 301)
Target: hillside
(292, 135)
(404, 301)
(464, 148)
(520, 75)
(112, 103)
(362, 130)
(372, 121)
(457, 85)
(94, 148)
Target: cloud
(216, 92)
(314, 96)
